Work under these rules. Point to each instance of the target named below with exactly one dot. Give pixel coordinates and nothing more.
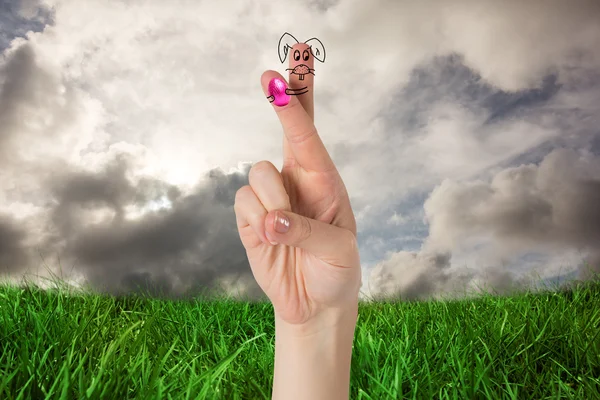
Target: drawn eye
(305, 55)
(296, 55)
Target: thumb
(327, 242)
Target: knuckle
(241, 194)
(351, 241)
(305, 229)
(347, 241)
(303, 135)
(261, 168)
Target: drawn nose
(301, 69)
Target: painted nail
(277, 90)
(282, 223)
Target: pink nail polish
(277, 90)
(282, 223)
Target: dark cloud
(178, 250)
(78, 190)
(323, 5)
(443, 79)
(16, 90)
(408, 275)
(30, 109)
(426, 274)
(12, 247)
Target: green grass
(55, 344)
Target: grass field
(58, 345)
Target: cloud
(472, 61)
(411, 274)
(123, 235)
(104, 211)
(18, 17)
(182, 239)
(550, 207)
(112, 134)
(426, 274)
(555, 203)
(12, 252)
(513, 45)
(28, 104)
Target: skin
(312, 275)
(294, 80)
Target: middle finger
(300, 58)
(301, 81)
(267, 183)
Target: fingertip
(275, 88)
(270, 222)
(266, 77)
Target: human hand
(313, 272)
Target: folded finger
(328, 242)
(250, 216)
(267, 183)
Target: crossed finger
(265, 193)
(303, 142)
(301, 63)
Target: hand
(314, 269)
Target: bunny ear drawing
(285, 43)
(316, 48)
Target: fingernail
(270, 239)
(282, 223)
(277, 90)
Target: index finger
(299, 129)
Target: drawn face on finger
(302, 61)
(302, 58)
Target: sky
(467, 134)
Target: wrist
(332, 320)
(319, 352)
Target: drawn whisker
(292, 91)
